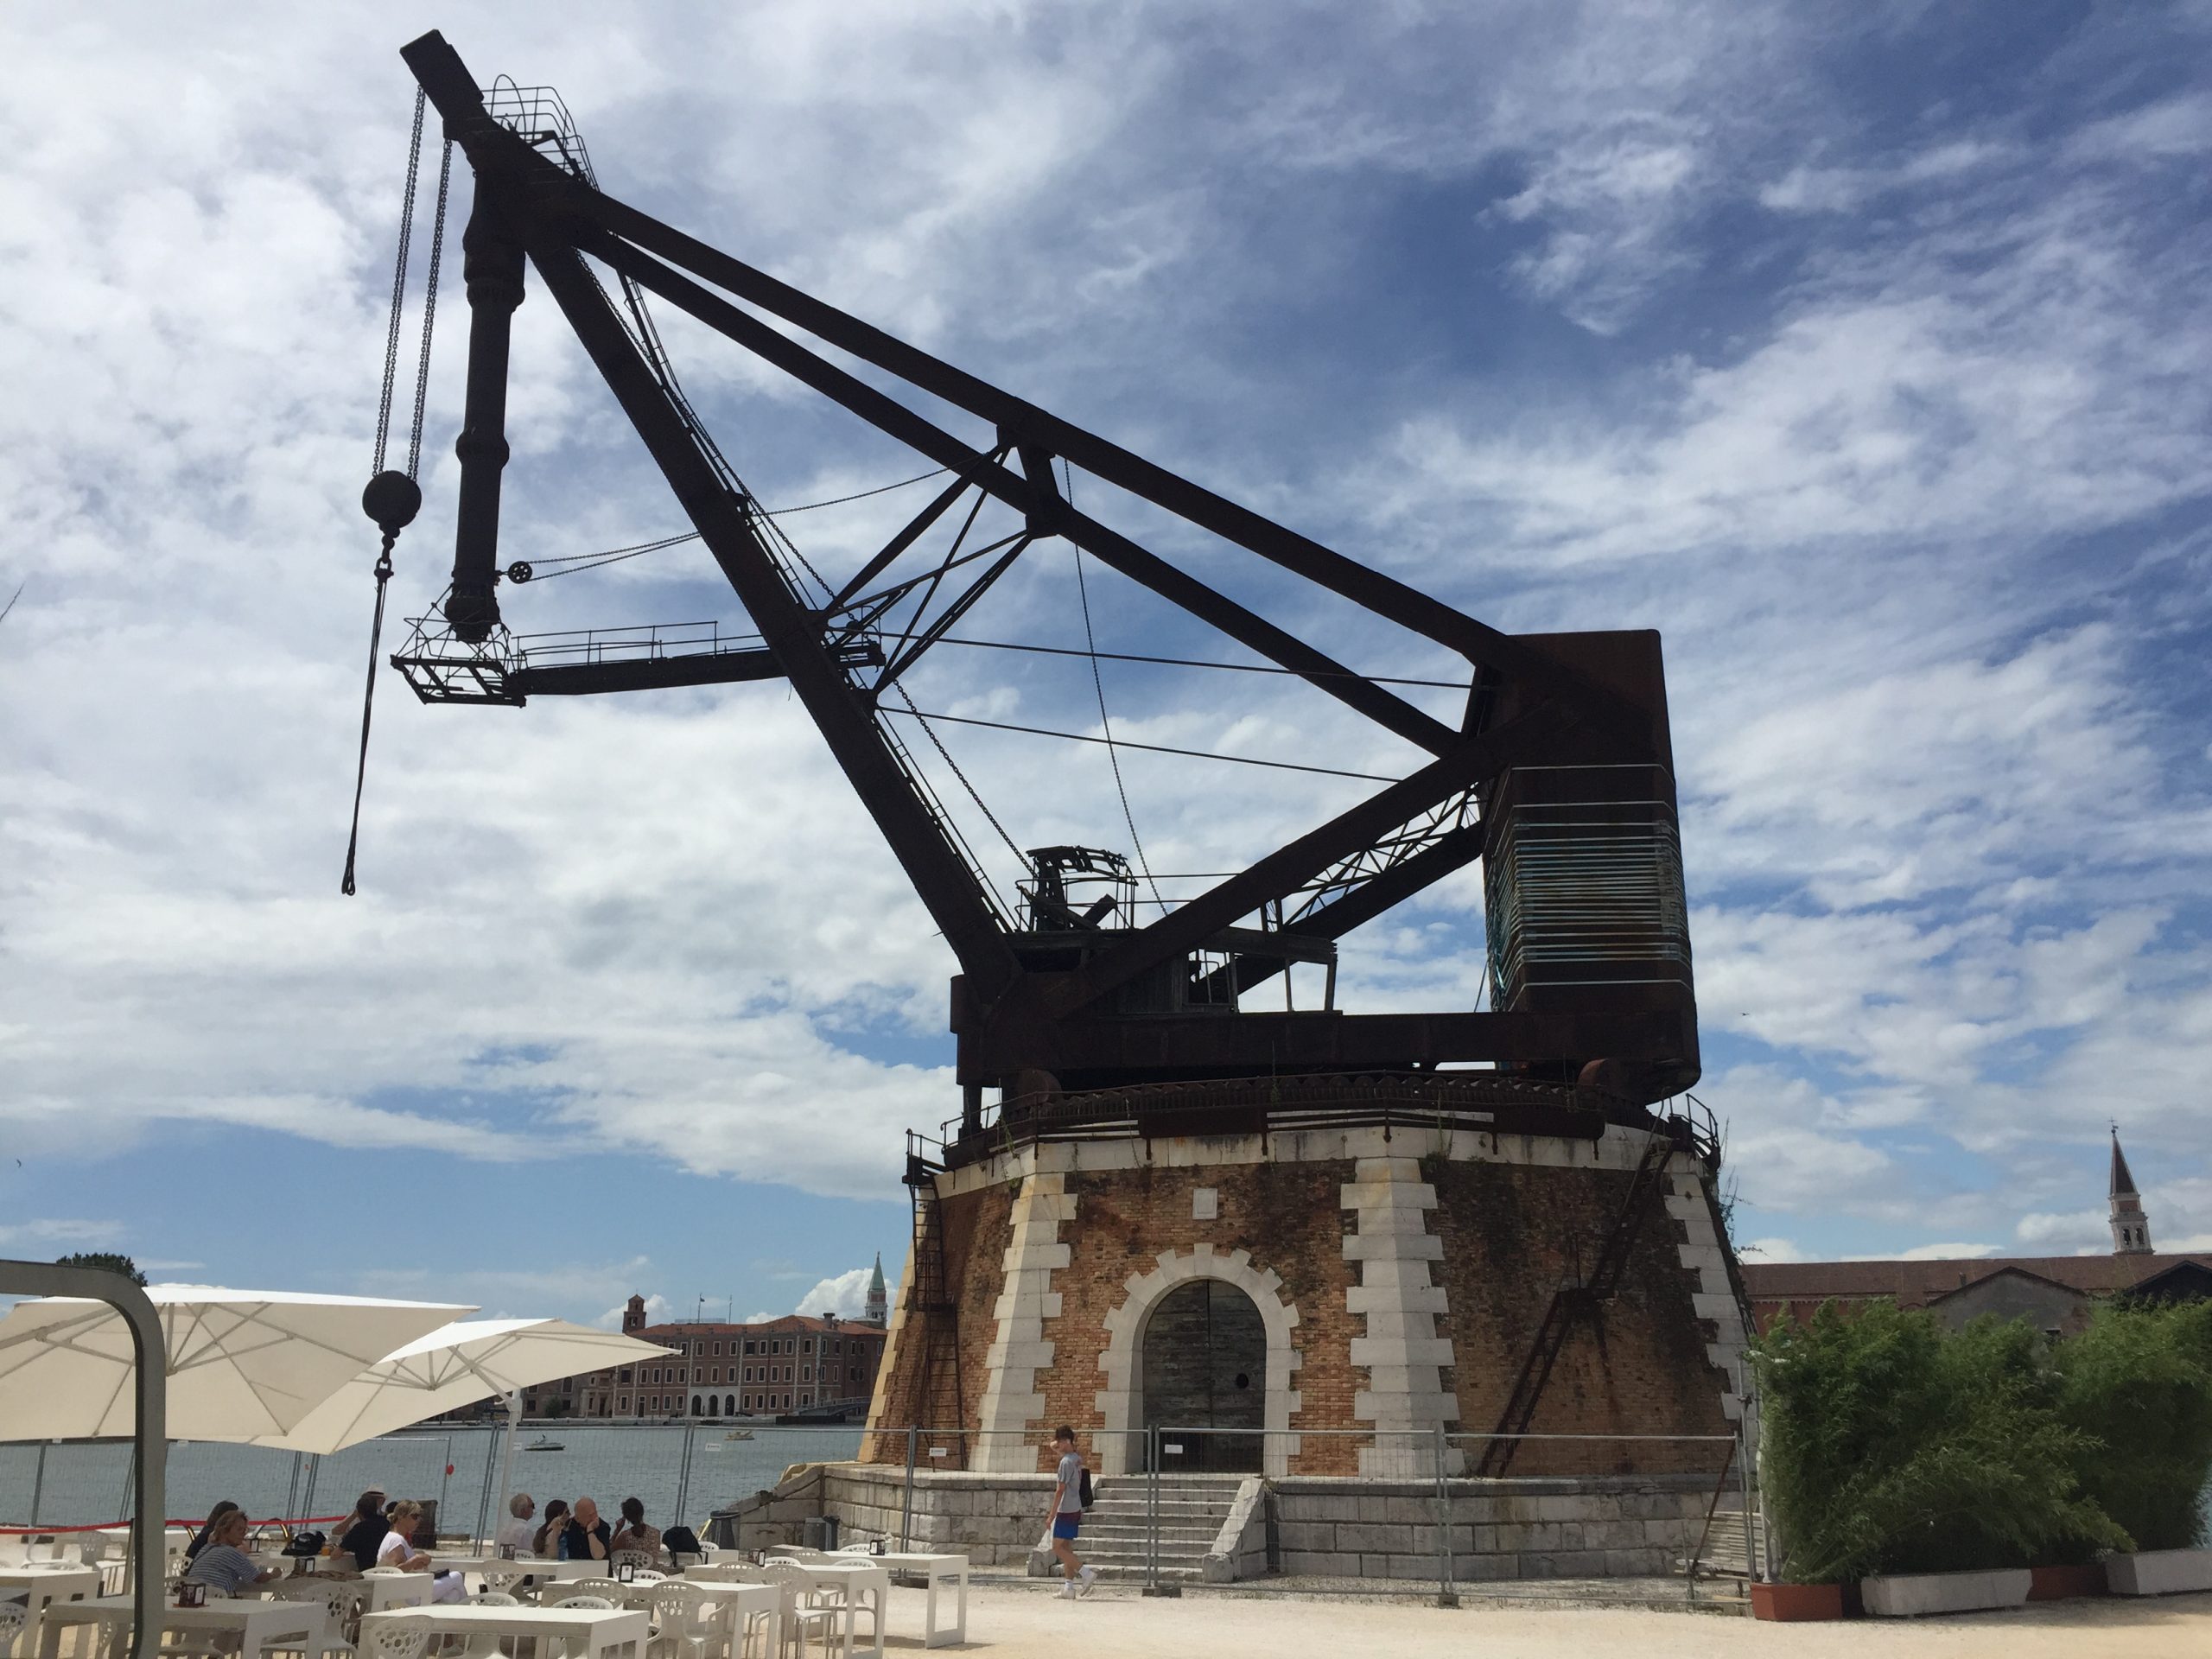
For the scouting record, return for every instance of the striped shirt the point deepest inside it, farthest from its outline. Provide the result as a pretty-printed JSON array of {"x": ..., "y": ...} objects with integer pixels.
[{"x": 224, "y": 1567}]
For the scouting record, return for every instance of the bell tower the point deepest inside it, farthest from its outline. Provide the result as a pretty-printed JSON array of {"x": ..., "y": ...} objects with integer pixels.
[
  {"x": 877, "y": 1310},
  {"x": 634, "y": 1315},
  {"x": 2131, "y": 1231}
]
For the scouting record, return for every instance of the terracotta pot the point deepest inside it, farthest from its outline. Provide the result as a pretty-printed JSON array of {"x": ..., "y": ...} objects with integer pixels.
[
  {"x": 1794, "y": 1603},
  {"x": 2064, "y": 1583}
]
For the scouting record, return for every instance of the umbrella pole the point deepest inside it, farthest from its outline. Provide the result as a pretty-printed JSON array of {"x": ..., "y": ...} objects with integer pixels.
[
  {"x": 445, "y": 1481},
  {"x": 484, "y": 1526},
  {"x": 507, "y": 1449}
]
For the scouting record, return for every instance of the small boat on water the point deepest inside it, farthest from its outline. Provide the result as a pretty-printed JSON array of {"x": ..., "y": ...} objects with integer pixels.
[
  {"x": 545, "y": 1443},
  {"x": 734, "y": 1434}
]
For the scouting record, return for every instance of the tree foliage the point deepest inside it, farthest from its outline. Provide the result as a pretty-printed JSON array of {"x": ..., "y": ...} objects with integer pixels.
[
  {"x": 2138, "y": 1383},
  {"x": 108, "y": 1258},
  {"x": 1891, "y": 1445}
]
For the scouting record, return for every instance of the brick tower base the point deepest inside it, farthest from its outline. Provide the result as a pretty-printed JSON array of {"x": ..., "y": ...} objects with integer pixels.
[{"x": 1361, "y": 1286}]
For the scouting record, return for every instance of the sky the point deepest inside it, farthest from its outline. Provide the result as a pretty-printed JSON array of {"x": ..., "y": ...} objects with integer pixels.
[{"x": 1862, "y": 352}]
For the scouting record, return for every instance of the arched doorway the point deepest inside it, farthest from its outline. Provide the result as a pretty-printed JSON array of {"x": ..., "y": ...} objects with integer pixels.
[{"x": 1205, "y": 1366}]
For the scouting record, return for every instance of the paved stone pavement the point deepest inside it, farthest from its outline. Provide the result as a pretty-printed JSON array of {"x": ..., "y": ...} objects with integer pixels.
[{"x": 1029, "y": 1620}]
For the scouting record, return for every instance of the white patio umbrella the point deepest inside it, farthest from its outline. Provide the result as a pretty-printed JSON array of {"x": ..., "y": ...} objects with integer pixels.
[
  {"x": 456, "y": 1365},
  {"x": 242, "y": 1363}
]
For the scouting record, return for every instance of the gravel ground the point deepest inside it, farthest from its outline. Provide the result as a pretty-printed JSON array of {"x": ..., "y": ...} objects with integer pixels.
[{"x": 1116, "y": 1623}]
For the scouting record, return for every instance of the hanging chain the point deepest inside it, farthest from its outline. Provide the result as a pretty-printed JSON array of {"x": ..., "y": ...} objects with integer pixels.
[
  {"x": 430, "y": 307},
  {"x": 399, "y": 282},
  {"x": 393, "y": 499}
]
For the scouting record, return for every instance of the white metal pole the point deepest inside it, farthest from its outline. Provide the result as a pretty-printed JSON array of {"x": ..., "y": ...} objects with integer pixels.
[{"x": 507, "y": 1451}]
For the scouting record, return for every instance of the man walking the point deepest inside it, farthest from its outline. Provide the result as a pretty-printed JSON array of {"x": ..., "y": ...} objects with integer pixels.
[{"x": 1066, "y": 1516}]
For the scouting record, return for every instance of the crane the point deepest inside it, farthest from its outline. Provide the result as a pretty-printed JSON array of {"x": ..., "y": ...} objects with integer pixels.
[{"x": 1557, "y": 772}]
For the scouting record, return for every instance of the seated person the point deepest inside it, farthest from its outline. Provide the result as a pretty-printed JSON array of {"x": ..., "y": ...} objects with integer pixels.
[
  {"x": 587, "y": 1538},
  {"x": 206, "y": 1536},
  {"x": 223, "y": 1565},
  {"x": 546, "y": 1542},
  {"x": 360, "y": 1533},
  {"x": 398, "y": 1550},
  {"x": 516, "y": 1532},
  {"x": 634, "y": 1534}
]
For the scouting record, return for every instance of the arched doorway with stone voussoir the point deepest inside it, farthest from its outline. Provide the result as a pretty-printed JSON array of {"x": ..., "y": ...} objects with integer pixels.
[{"x": 1177, "y": 1347}]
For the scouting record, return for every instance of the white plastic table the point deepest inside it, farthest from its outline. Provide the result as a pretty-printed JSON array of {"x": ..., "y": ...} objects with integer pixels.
[
  {"x": 937, "y": 1569},
  {"x": 733, "y": 1601},
  {"x": 598, "y": 1630},
  {"x": 252, "y": 1625},
  {"x": 41, "y": 1583}
]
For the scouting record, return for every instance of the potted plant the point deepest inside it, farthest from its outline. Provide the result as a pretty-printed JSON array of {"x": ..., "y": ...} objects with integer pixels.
[
  {"x": 2137, "y": 1385},
  {"x": 1933, "y": 1465}
]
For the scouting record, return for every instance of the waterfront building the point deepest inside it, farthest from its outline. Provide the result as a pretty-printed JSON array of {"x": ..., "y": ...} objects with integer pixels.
[
  {"x": 2055, "y": 1292},
  {"x": 716, "y": 1369}
]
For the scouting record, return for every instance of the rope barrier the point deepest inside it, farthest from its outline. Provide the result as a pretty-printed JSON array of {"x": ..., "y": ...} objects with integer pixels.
[{"x": 173, "y": 1521}]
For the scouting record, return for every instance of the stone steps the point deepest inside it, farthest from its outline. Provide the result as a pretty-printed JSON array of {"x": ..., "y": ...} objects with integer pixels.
[{"x": 1116, "y": 1536}]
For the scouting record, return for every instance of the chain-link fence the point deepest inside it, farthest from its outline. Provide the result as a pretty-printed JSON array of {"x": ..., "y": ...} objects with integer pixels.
[
  {"x": 1366, "y": 1511},
  {"x": 679, "y": 1473}
]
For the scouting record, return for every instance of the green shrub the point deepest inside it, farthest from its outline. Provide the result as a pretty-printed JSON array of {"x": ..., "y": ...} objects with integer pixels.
[
  {"x": 2137, "y": 1387},
  {"x": 1890, "y": 1446}
]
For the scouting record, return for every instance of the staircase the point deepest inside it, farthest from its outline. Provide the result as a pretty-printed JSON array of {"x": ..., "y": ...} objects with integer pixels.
[{"x": 1191, "y": 1510}]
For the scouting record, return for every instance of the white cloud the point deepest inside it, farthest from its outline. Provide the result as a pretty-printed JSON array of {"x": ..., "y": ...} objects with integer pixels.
[
  {"x": 1946, "y": 1252},
  {"x": 844, "y": 1294},
  {"x": 1775, "y": 1249},
  {"x": 1882, "y": 499},
  {"x": 66, "y": 1233}
]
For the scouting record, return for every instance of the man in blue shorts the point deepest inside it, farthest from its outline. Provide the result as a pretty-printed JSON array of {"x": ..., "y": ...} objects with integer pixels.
[{"x": 1066, "y": 1516}]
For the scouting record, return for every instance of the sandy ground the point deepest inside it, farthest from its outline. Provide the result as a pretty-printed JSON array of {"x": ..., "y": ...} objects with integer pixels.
[{"x": 1116, "y": 1623}]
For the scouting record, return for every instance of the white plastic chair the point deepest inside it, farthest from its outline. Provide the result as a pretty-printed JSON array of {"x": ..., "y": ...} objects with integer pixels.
[
  {"x": 607, "y": 1589},
  {"x": 590, "y": 1603},
  {"x": 639, "y": 1559},
  {"x": 801, "y": 1615},
  {"x": 397, "y": 1640},
  {"x": 677, "y": 1629},
  {"x": 336, "y": 1598},
  {"x": 13, "y": 1616}
]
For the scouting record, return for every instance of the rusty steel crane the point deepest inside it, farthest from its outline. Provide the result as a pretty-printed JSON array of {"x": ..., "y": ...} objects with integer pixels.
[{"x": 1557, "y": 771}]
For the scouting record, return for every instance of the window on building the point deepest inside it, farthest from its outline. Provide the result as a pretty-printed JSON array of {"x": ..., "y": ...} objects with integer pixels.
[
  {"x": 807, "y": 1346},
  {"x": 749, "y": 1347},
  {"x": 806, "y": 1373},
  {"x": 623, "y": 1405}
]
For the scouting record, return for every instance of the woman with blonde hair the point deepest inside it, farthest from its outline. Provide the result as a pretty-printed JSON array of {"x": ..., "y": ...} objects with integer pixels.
[{"x": 398, "y": 1550}]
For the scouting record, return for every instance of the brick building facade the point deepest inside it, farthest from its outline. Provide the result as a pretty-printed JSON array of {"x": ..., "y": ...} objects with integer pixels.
[
  {"x": 2055, "y": 1294},
  {"x": 717, "y": 1369}
]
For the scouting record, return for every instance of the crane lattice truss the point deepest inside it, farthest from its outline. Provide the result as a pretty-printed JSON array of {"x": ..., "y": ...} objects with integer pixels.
[{"x": 1559, "y": 774}]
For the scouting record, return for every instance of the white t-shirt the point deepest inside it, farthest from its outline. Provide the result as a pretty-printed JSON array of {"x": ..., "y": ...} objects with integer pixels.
[
  {"x": 1072, "y": 1484},
  {"x": 516, "y": 1534},
  {"x": 394, "y": 1550}
]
